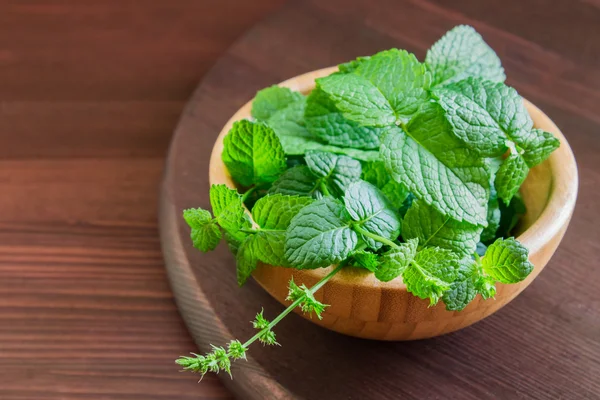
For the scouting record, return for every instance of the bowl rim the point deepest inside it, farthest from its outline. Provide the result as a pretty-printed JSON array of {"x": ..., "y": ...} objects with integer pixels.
[{"x": 562, "y": 196}]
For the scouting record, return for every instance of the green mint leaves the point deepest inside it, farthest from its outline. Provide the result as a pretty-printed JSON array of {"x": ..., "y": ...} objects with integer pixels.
[
  {"x": 253, "y": 154},
  {"x": 404, "y": 169},
  {"x": 462, "y": 53}
]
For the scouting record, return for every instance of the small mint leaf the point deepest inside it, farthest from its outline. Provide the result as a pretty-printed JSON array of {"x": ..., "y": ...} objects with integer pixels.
[
  {"x": 370, "y": 209},
  {"x": 431, "y": 273},
  {"x": 205, "y": 233},
  {"x": 461, "y": 53},
  {"x": 336, "y": 171},
  {"x": 253, "y": 154},
  {"x": 272, "y": 99},
  {"x": 365, "y": 259},
  {"x": 393, "y": 263},
  {"x": 510, "y": 177},
  {"x": 506, "y": 260}
]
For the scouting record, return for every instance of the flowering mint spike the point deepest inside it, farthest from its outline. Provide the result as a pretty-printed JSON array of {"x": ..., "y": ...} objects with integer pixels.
[
  {"x": 260, "y": 322},
  {"x": 308, "y": 303},
  {"x": 236, "y": 350},
  {"x": 266, "y": 335},
  {"x": 222, "y": 358}
]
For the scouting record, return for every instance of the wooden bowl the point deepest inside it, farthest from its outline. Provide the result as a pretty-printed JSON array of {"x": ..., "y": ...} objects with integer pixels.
[{"x": 362, "y": 306}]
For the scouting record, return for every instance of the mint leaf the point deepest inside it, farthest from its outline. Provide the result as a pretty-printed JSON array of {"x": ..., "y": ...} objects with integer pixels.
[
  {"x": 510, "y": 177},
  {"x": 276, "y": 211},
  {"x": 205, "y": 233},
  {"x": 358, "y": 99},
  {"x": 538, "y": 144},
  {"x": 320, "y": 235},
  {"x": 289, "y": 122},
  {"x": 296, "y": 181},
  {"x": 272, "y": 99},
  {"x": 350, "y": 66},
  {"x": 434, "y": 229},
  {"x": 431, "y": 273},
  {"x": 461, "y": 53},
  {"x": 493, "y": 218},
  {"x": 386, "y": 88},
  {"x": 396, "y": 261},
  {"x": 485, "y": 115},
  {"x": 252, "y": 153},
  {"x": 375, "y": 173},
  {"x": 337, "y": 171},
  {"x": 463, "y": 290},
  {"x": 246, "y": 260},
  {"x": 364, "y": 259},
  {"x": 506, "y": 261},
  {"x": 325, "y": 121},
  {"x": 229, "y": 211},
  {"x": 273, "y": 214},
  {"x": 372, "y": 211},
  {"x": 427, "y": 158},
  {"x": 494, "y": 214}
]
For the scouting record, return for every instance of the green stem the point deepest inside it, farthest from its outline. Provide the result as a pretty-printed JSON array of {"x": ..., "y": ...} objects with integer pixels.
[
  {"x": 295, "y": 304},
  {"x": 244, "y": 230},
  {"x": 381, "y": 239},
  {"x": 324, "y": 189},
  {"x": 248, "y": 193}
]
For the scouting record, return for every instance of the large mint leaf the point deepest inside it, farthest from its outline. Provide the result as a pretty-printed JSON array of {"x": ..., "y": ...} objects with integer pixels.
[
  {"x": 325, "y": 121},
  {"x": 396, "y": 261},
  {"x": 375, "y": 173},
  {"x": 272, "y": 99},
  {"x": 431, "y": 273},
  {"x": 427, "y": 158},
  {"x": 335, "y": 170},
  {"x": 506, "y": 261},
  {"x": 462, "y": 53},
  {"x": 386, "y": 88},
  {"x": 273, "y": 214},
  {"x": 320, "y": 235},
  {"x": 372, "y": 211},
  {"x": 229, "y": 211},
  {"x": 432, "y": 228},
  {"x": 253, "y": 154},
  {"x": 205, "y": 233},
  {"x": 463, "y": 290},
  {"x": 289, "y": 122}
]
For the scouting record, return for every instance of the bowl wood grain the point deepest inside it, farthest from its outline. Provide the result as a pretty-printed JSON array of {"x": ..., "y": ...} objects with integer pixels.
[{"x": 362, "y": 306}]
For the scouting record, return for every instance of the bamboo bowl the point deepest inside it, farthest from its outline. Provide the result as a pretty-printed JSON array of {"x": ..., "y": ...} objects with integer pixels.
[{"x": 362, "y": 306}]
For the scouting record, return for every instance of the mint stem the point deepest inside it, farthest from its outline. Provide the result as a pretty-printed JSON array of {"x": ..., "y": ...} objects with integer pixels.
[
  {"x": 381, "y": 239},
  {"x": 295, "y": 304},
  {"x": 248, "y": 193},
  {"x": 324, "y": 189}
]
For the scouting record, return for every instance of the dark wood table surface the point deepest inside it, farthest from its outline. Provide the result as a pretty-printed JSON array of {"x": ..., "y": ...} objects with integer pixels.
[{"x": 90, "y": 93}]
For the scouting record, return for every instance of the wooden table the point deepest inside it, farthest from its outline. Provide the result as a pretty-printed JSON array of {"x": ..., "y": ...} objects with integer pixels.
[{"x": 91, "y": 92}]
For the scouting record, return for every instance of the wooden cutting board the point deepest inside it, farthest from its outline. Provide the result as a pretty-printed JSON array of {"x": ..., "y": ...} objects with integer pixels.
[{"x": 542, "y": 345}]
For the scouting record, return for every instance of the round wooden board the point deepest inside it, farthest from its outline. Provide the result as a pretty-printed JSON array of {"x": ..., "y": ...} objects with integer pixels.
[{"x": 524, "y": 350}]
